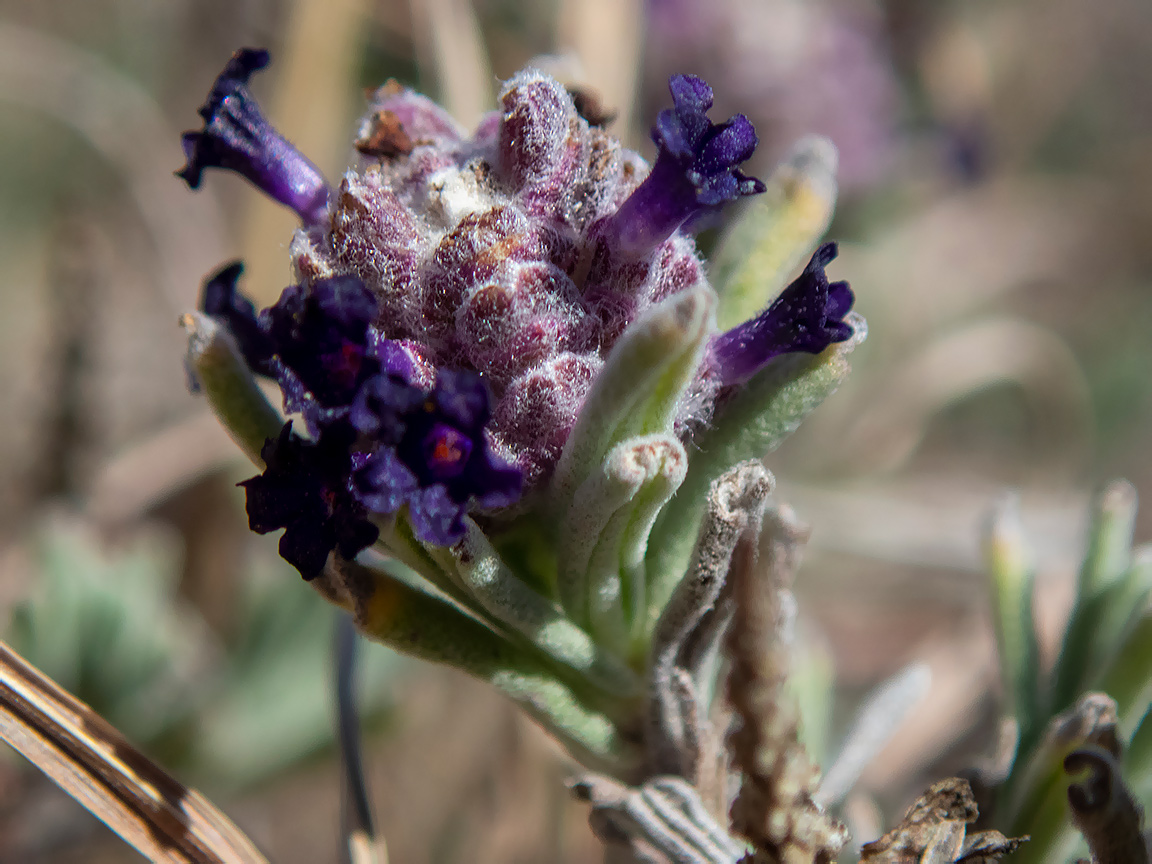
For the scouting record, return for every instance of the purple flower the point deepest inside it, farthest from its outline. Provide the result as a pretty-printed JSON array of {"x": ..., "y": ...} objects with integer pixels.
[
  {"x": 320, "y": 343},
  {"x": 236, "y": 137},
  {"x": 695, "y": 171},
  {"x": 383, "y": 441},
  {"x": 433, "y": 454},
  {"x": 222, "y": 301},
  {"x": 304, "y": 490},
  {"x": 452, "y": 315},
  {"x": 807, "y": 316},
  {"x": 322, "y": 335},
  {"x": 382, "y": 407}
]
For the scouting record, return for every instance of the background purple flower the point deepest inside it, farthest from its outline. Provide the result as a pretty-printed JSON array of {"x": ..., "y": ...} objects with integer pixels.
[{"x": 795, "y": 67}]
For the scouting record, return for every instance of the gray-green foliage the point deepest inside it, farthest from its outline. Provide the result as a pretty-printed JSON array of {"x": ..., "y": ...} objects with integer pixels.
[
  {"x": 104, "y": 620},
  {"x": 104, "y": 625},
  {"x": 1099, "y": 690}
]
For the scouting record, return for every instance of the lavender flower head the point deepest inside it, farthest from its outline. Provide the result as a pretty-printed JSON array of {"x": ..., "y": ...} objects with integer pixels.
[{"x": 503, "y": 347}]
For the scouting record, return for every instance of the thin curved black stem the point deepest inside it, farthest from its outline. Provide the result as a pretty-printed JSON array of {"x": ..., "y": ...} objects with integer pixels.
[{"x": 357, "y": 827}]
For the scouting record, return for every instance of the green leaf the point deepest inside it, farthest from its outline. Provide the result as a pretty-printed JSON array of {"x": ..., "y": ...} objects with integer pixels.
[
  {"x": 273, "y": 708},
  {"x": 1121, "y": 607},
  {"x": 615, "y": 508},
  {"x": 1128, "y": 678},
  {"x": 235, "y": 397},
  {"x": 484, "y": 576},
  {"x": 1105, "y": 565},
  {"x": 1007, "y": 559},
  {"x": 637, "y": 391},
  {"x": 1034, "y": 799},
  {"x": 615, "y": 578},
  {"x": 104, "y": 622},
  {"x": 409, "y": 620},
  {"x": 1138, "y": 757}
]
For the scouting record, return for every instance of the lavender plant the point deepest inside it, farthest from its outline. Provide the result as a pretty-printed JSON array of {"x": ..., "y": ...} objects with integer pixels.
[
  {"x": 525, "y": 441},
  {"x": 522, "y": 446},
  {"x": 502, "y": 347}
]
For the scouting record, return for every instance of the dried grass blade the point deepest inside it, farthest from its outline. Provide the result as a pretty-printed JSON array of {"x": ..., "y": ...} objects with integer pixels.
[
  {"x": 606, "y": 36},
  {"x": 84, "y": 755},
  {"x": 450, "y": 44}
]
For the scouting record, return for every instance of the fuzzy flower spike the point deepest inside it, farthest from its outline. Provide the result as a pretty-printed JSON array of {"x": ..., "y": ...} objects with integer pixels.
[
  {"x": 236, "y": 137},
  {"x": 695, "y": 171},
  {"x": 525, "y": 449}
]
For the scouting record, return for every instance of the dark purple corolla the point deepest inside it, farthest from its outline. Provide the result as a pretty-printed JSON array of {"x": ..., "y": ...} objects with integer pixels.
[
  {"x": 220, "y": 299},
  {"x": 236, "y": 137},
  {"x": 321, "y": 339},
  {"x": 433, "y": 454},
  {"x": 695, "y": 171},
  {"x": 304, "y": 490},
  {"x": 807, "y": 316}
]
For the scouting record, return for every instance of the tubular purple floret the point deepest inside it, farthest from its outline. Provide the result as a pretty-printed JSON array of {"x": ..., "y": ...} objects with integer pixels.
[
  {"x": 436, "y": 458},
  {"x": 236, "y": 137},
  {"x": 695, "y": 171},
  {"x": 304, "y": 490},
  {"x": 220, "y": 299},
  {"x": 808, "y": 316}
]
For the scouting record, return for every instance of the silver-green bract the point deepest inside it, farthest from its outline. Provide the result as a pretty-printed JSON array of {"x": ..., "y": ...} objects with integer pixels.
[{"x": 578, "y": 607}]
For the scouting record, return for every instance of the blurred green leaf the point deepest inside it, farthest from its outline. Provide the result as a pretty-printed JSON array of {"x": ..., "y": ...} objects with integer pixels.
[
  {"x": 104, "y": 623},
  {"x": 1007, "y": 558},
  {"x": 273, "y": 704},
  {"x": 1100, "y": 588},
  {"x": 1128, "y": 679}
]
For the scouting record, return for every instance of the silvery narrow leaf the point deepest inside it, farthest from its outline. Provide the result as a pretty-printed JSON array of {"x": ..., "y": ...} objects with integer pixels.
[
  {"x": 873, "y": 727},
  {"x": 1007, "y": 558},
  {"x": 601, "y": 556},
  {"x": 637, "y": 390},
  {"x": 1108, "y": 558},
  {"x": 431, "y": 628},
  {"x": 775, "y": 232},
  {"x": 749, "y": 426},
  {"x": 499, "y": 591}
]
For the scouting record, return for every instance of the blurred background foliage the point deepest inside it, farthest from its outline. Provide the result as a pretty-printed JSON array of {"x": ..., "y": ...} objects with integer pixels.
[{"x": 995, "y": 214}]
